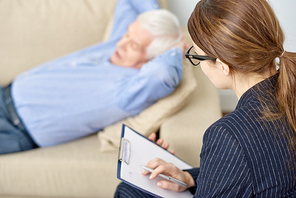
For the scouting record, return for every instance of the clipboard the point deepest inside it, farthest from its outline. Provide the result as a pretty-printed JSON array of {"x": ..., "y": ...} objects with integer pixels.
[{"x": 136, "y": 150}]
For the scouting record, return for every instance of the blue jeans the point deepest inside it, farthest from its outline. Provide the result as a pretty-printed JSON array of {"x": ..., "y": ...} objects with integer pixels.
[{"x": 12, "y": 138}]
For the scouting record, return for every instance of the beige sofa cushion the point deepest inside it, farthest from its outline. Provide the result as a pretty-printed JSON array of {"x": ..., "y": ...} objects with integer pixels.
[
  {"x": 74, "y": 169},
  {"x": 36, "y": 31},
  {"x": 149, "y": 120}
]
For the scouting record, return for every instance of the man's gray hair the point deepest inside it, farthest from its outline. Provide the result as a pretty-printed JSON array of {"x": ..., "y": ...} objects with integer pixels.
[{"x": 165, "y": 28}]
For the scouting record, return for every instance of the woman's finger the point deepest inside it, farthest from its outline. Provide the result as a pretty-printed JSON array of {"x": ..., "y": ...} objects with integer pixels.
[
  {"x": 172, "y": 152},
  {"x": 165, "y": 145},
  {"x": 170, "y": 186},
  {"x": 155, "y": 163},
  {"x": 158, "y": 170},
  {"x": 152, "y": 137},
  {"x": 159, "y": 142}
]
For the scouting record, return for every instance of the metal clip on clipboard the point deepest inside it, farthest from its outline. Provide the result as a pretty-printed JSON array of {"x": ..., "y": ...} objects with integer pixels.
[{"x": 125, "y": 151}]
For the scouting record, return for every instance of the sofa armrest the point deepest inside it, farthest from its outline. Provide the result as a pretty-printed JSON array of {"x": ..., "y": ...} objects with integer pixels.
[{"x": 184, "y": 130}]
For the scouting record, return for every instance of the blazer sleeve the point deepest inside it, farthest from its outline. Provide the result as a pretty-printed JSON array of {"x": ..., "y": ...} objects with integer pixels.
[
  {"x": 194, "y": 172},
  {"x": 224, "y": 170}
]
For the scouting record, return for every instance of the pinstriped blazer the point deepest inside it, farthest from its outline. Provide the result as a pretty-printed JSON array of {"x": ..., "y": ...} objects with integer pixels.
[{"x": 244, "y": 155}]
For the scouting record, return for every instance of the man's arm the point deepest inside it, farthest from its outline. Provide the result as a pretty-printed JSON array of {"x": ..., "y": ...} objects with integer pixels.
[
  {"x": 155, "y": 80},
  {"x": 126, "y": 12}
]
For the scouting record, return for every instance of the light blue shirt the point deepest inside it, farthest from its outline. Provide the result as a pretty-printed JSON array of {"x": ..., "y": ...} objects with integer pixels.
[{"x": 81, "y": 93}]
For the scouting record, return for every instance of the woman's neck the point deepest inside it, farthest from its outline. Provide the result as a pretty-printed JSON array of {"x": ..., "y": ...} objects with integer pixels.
[{"x": 243, "y": 82}]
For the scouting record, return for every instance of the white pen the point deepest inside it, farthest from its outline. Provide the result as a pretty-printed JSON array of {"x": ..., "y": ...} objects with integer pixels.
[{"x": 165, "y": 177}]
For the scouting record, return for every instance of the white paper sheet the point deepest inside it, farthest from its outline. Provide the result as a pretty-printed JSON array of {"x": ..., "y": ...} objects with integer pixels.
[{"x": 142, "y": 151}]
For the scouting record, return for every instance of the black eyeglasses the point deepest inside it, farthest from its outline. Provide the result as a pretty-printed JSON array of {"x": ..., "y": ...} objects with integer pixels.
[{"x": 194, "y": 58}]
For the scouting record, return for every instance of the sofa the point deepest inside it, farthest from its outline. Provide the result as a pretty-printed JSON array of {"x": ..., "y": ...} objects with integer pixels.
[{"x": 36, "y": 31}]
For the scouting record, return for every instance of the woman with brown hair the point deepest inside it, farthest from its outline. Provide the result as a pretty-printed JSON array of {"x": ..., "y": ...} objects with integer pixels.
[{"x": 250, "y": 152}]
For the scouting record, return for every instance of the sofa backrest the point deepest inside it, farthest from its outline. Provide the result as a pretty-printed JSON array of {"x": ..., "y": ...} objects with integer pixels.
[{"x": 36, "y": 31}]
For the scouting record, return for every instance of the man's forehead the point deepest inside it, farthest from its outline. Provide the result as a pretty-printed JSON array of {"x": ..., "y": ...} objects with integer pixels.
[{"x": 140, "y": 35}]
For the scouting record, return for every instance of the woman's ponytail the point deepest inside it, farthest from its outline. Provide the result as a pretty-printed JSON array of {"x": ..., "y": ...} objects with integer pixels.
[{"x": 286, "y": 90}]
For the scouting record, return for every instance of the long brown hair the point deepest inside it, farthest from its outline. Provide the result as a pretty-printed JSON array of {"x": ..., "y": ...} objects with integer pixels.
[{"x": 246, "y": 35}]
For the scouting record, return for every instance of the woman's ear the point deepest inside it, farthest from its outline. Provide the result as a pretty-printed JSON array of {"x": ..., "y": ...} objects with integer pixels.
[{"x": 223, "y": 67}]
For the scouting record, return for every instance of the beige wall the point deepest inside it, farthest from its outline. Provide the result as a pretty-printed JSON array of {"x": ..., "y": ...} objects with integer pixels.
[{"x": 285, "y": 11}]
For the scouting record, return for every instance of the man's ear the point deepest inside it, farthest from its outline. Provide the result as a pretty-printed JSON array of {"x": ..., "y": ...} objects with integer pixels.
[{"x": 223, "y": 67}]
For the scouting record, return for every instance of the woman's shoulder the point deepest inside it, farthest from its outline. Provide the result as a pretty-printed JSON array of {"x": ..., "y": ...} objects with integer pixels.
[
  {"x": 241, "y": 124},
  {"x": 260, "y": 144},
  {"x": 237, "y": 118}
]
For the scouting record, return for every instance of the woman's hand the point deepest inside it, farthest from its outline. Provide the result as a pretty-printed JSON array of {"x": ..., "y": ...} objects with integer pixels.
[
  {"x": 160, "y": 142},
  {"x": 160, "y": 166}
]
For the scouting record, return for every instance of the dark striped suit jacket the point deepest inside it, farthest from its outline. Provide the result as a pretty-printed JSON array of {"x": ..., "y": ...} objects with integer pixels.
[{"x": 244, "y": 155}]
